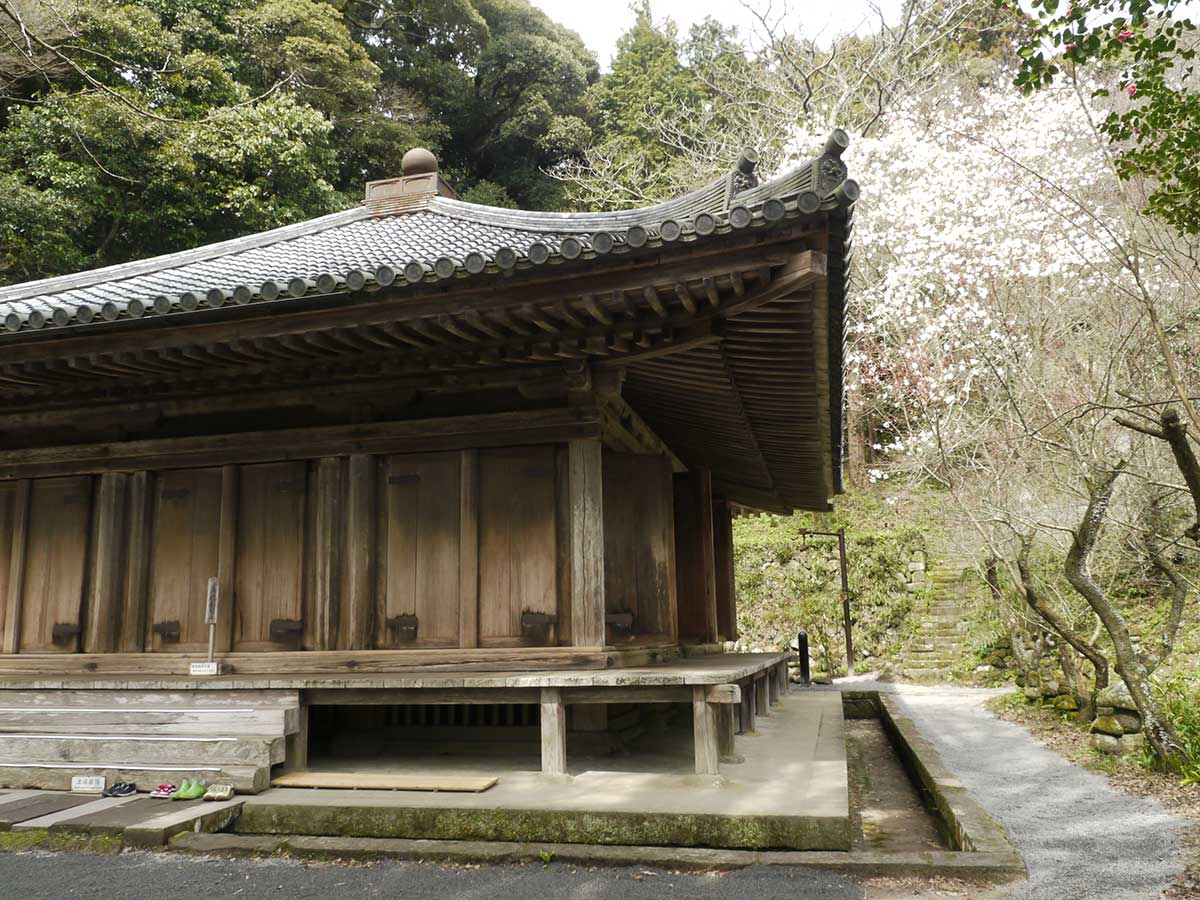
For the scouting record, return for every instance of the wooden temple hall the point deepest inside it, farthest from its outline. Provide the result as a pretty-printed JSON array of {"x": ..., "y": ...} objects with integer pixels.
[{"x": 421, "y": 467}]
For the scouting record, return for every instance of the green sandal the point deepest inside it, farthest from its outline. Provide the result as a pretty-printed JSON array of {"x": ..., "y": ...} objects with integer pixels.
[{"x": 190, "y": 790}]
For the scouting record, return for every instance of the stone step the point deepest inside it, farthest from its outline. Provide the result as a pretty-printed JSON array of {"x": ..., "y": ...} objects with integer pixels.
[
  {"x": 56, "y": 776},
  {"x": 141, "y": 750}
]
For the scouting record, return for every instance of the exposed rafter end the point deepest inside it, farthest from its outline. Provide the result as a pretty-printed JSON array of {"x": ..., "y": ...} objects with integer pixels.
[{"x": 751, "y": 498}]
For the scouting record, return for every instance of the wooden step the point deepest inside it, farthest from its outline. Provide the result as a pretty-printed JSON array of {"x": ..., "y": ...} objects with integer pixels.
[
  {"x": 56, "y": 776},
  {"x": 142, "y": 750}
]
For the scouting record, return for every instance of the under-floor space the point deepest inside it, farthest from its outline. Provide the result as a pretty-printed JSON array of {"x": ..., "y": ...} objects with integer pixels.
[{"x": 787, "y": 787}]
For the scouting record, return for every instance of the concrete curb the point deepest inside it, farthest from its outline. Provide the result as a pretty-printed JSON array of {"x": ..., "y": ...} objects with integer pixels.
[{"x": 948, "y": 863}]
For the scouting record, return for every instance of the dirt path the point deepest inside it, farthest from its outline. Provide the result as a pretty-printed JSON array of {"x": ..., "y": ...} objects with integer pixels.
[{"x": 1079, "y": 837}]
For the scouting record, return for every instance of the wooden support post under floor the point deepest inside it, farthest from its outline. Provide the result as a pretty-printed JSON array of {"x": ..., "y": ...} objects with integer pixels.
[
  {"x": 554, "y": 732},
  {"x": 762, "y": 706},
  {"x": 746, "y": 709},
  {"x": 704, "y": 719},
  {"x": 772, "y": 680},
  {"x": 725, "y": 730},
  {"x": 296, "y": 752}
]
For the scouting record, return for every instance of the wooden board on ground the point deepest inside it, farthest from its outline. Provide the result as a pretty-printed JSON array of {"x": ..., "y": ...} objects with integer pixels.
[{"x": 378, "y": 782}]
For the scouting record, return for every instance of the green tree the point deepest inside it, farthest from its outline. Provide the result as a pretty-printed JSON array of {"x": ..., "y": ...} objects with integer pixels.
[{"x": 1151, "y": 45}]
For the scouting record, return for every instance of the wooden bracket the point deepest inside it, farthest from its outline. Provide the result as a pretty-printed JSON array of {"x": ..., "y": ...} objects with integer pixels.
[
  {"x": 168, "y": 631},
  {"x": 405, "y": 628},
  {"x": 284, "y": 631},
  {"x": 65, "y": 632}
]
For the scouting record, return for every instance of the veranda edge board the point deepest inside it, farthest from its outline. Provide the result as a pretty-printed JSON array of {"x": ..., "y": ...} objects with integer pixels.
[
  {"x": 308, "y": 662},
  {"x": 381, "y": 782}
]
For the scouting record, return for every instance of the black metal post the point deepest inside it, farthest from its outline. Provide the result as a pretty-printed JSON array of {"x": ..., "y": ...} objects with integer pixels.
[
  {"x": 846, "y": 602},
  {"x": 802, "y": 652}
]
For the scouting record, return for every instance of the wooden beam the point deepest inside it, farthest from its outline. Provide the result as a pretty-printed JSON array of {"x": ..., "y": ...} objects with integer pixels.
[
  {"x": 586, "y": 512},
  {"x": 423, "y": 435},
  {"x": 102, "y": 627},
  {"x": 554, "y": 732},
  {"x": 468, "y": 550},
  {"x": 16, "y": 568}
]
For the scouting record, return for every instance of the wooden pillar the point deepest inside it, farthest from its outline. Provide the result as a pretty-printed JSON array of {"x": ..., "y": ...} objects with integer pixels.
[
  {"x": 358, "y": 591},
  {"x": 468, "y": 550},
  {"x": 554, "y": 732},
  {"x": 762, "y": 706},
  {"x": 101, "y": 629},
  {"x": 746, "y": 708},
  {"x": 772, "y": 680},
  {"x": 695, "y": 566},
  {"x": 323, "y": 623},
  {"x": 226, "y": 557},
  {"x": 586, "y": 511},
  {"x": 724, "y": 575},
  {"x": 704, "y": 723},
  {"x": 725, "y": 731},
  {"x": 16, "y": 568},
  {"x": 137, "y": 578}
]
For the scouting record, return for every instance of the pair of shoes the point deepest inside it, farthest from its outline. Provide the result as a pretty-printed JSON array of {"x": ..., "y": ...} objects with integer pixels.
[
  {"x": 162, "y": 792},
  {"x": 190, "y": 790},
  {"x": 120, "y": 789},
  {"x": 219, "y": 792}
]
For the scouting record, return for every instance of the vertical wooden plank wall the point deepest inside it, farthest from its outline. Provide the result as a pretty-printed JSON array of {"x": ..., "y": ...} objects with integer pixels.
[
  {"x": 695, "y": 556},
  {"x": 639, "y": 542},
  {"x": 467, "y": 541},
  {"x": 586, "y": 508},
  {"x": 725, "y": 574},
  {"x": 518, "y": 569}
]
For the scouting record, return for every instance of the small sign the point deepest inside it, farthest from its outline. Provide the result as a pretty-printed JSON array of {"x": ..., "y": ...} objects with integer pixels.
[
  {"x": 205, "y": 668},
  {"x": 210, "y": 602},
  {"x": 88, "y": 784}
]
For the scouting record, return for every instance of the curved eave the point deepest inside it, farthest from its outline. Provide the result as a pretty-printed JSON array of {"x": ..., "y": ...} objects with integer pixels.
[{"x": 114, "y": 295}]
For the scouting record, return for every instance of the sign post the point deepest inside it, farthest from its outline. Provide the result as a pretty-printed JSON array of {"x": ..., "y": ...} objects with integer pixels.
[{"x": 212, "y": 667}]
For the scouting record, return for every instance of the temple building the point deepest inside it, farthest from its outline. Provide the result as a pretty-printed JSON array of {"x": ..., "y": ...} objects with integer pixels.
[{"x": 419, "y": 453}]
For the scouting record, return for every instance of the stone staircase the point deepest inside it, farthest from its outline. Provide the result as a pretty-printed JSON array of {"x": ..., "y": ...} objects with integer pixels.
[
  {"x": 938, "y": 644},
  {"x": 146, "y": 737}
]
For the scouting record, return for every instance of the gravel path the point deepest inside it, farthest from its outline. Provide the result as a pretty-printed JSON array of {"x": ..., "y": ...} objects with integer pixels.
[{"x": 1080, "y": 839}]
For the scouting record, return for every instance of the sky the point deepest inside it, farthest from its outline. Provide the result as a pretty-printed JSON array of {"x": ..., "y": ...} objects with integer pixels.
[{"x": 601, "y": 22}]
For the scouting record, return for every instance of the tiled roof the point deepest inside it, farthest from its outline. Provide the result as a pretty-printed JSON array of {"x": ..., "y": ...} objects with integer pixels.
[{"x": 437, "y": 240}]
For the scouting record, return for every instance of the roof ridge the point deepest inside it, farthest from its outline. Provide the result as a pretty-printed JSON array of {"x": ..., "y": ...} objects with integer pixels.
[{"x": 166, "y": 261}]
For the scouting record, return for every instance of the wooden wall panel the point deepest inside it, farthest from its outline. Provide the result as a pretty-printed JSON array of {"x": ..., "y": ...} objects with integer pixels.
[
  {"x": 420, "y": 549},
  {"x": 695, "y": 568},
  {"x": 56, "y": 559},
  {"x": 639, "y": 542},
  {"x": 10, "y": 492},
  {"x": 269, "y": 560},
  {"x": 517, "y": 550},
  {"x": 185, "y": 554}
]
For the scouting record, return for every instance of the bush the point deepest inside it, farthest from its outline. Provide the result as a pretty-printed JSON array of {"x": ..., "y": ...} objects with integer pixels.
[{"x": 787, "y": 581}]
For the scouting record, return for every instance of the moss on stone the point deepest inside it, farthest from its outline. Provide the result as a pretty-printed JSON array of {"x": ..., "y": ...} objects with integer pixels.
[
  {"x": 42, "y": 839},
  {"x": 550, "y": 826}
]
